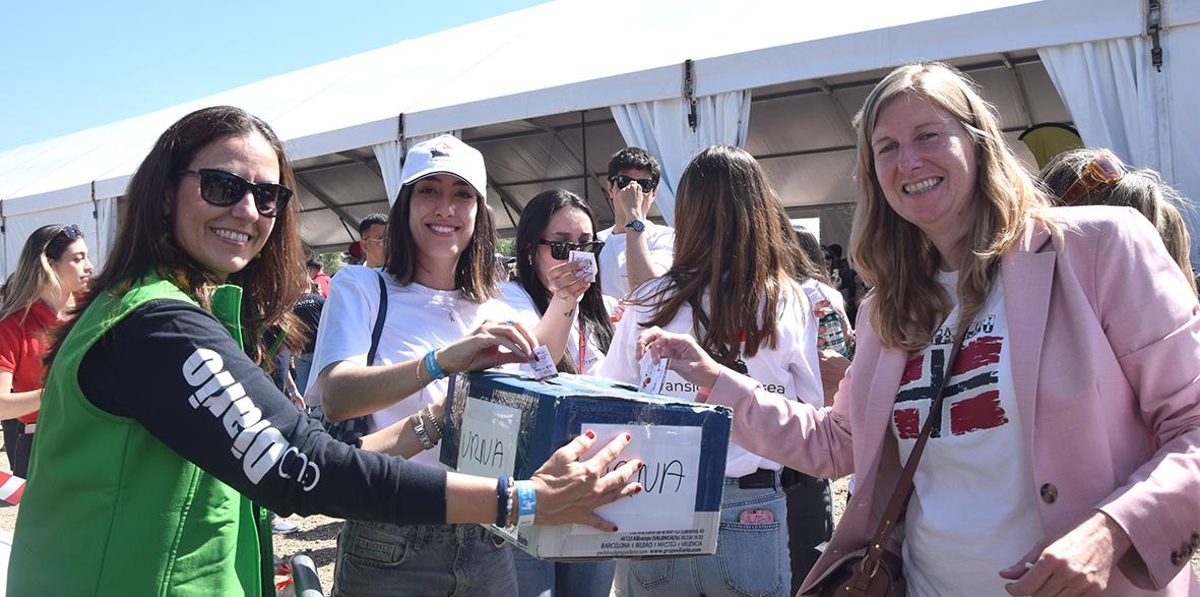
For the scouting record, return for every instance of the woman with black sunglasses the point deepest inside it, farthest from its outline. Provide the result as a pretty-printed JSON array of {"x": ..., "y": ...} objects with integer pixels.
[
  {"x": 160, "y": 434},
  {"x": 53, "y": 266},
  {"x": 553, "y": 224}
]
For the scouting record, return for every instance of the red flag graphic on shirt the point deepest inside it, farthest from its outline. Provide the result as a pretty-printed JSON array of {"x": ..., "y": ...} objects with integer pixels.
[{"x": 972, "y": 400}]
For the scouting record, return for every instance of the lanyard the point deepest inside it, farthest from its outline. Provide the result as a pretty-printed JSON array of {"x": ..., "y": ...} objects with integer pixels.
[{"x": 582, "y": 346}]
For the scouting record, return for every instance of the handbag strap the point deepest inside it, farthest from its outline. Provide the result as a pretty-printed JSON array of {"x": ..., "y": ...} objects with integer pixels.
[
  {"x": 377, "y": 331},
  {"x": 895, "y": 509}
]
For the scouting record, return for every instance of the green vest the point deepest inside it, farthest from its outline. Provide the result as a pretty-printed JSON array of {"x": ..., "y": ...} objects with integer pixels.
[{"x": 111, "y": 510}]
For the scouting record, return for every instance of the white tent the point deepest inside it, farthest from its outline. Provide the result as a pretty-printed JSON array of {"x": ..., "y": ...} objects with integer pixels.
[{"x": 550, "y": 92}]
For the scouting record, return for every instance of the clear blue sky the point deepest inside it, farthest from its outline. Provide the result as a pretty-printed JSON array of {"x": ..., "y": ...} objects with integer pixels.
[{"x": 69, "y": 65}]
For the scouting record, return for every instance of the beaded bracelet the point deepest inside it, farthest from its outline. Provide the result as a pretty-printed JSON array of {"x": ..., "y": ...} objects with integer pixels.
[
  {"x": 432, "y": 365},
  {"x": 512, "y": 510},
  {"x": 502, "y": 501}
]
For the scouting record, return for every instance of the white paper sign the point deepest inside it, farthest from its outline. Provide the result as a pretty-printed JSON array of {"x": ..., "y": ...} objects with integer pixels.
[
  {"x": 668, "y": 498},
  {"x": 487, "y": 445}
]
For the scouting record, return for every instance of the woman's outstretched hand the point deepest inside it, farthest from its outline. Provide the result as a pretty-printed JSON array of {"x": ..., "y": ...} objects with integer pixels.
[
  {"x": 691, "y": 362},
  {"x": 481, "y": 349},
  {"x": 569, "y": 490}
]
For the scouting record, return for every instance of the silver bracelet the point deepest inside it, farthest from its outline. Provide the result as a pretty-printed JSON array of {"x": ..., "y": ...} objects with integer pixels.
[
  {"x": 433, "y": 421},
  {"x": 422, "y": 434}
]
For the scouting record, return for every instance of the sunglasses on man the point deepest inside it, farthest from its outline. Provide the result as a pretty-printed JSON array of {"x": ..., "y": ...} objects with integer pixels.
[
  {"x": 561, "y": 249},
  {"x": 223, "y": 189},
  {"x": 623, "y": 181}
]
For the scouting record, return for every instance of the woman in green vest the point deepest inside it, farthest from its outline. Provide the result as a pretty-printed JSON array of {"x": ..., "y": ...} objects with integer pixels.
[{"x": 160, "y": 435}]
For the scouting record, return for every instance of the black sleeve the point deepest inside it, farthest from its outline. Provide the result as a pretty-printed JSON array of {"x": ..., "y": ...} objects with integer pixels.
[{"x": 172, "y": 367}]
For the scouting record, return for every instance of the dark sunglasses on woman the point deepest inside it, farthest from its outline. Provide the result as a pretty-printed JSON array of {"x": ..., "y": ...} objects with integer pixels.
[
  {"x": 71, "y": 232},
  {"x": 223, "y": 189},
  {"x": 561, "y": 249}
]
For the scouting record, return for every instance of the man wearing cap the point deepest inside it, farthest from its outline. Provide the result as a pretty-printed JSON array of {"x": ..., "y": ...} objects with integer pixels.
[{"x": 635, "y": 249}]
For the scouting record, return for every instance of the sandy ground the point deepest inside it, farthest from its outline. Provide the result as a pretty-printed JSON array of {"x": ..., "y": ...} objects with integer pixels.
[{"x": 317, "y": 536}]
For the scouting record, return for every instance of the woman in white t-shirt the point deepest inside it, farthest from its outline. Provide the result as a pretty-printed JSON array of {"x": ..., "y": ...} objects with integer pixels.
[
  {"x": 441, "y": 288},
  {"x": 553, "y": 224},
  {"x": 733, "y": 287}
]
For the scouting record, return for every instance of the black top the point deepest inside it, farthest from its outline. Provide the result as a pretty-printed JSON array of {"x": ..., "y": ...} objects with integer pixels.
[{"x": 137, "y": 370}]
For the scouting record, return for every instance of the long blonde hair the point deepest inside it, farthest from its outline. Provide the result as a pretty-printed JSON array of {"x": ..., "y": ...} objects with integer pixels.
[
  {"x": 1140, "y": 188},
  {"x": 895, "y": 256},
  {"x": 34, "y": 276}
]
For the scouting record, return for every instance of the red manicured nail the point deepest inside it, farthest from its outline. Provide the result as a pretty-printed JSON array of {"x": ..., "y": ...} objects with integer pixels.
[
  {"x": 628, "y": 437},
  {"x": 641, "y": 465},
  {"x": 638, "y": 490},
  {"x": 590, "y": 434}
]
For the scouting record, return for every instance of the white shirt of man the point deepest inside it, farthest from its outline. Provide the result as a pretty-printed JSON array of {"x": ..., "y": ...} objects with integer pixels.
[{"x": 614, "y": 277}]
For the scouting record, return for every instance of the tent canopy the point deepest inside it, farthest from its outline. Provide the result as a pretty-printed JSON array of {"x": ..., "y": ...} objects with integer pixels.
[{"x": 537, "y": 92}]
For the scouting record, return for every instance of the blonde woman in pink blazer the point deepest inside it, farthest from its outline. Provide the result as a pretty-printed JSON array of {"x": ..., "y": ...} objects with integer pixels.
[{"x": 1066, "y": 459}]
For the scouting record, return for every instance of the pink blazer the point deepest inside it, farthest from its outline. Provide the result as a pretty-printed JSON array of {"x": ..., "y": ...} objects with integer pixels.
[{"x": 1105, "y": 336}]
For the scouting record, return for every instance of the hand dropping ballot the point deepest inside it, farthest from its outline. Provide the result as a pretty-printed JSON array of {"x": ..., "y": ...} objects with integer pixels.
[
  {"x": 654, "y": 374},
  {"x": 589, "y": 262},
  {"x": 542, "y": 363}
]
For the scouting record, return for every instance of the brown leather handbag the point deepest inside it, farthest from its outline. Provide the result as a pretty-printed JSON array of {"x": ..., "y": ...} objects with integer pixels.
[{"x": 874, "y": 571}]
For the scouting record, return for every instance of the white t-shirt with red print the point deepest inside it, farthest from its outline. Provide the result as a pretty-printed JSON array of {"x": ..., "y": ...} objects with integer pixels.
[{"x": 974, "y": 510}]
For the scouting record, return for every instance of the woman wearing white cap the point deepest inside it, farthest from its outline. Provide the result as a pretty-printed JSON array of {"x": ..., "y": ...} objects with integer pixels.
[{"x": 440, "y": 282}]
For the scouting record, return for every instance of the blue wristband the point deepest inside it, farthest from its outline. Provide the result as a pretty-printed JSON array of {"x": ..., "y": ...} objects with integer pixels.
[
  {"x": 432, "y": 365},
  {"x": 502, "y": 501},
  {"x": 526, "y": 503}
]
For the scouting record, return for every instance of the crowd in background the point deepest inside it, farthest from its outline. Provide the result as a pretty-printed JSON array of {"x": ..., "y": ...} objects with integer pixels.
[{"x": 967, "y": 279}]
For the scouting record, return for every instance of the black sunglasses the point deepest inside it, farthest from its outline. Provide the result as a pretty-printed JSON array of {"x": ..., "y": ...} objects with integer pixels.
[
  {"x": 224, "y": 189},
  {"x": 70, "y": 232},
  {"x": 623, "y": 181},
  {"x": 561, "y": 249}
]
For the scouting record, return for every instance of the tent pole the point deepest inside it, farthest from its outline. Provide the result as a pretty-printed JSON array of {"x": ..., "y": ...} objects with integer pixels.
[{"x": 583, "y": 141}]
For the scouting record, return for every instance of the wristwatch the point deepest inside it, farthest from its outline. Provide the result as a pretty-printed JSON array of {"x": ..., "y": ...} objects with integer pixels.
[{"x": 636, "y": 226}]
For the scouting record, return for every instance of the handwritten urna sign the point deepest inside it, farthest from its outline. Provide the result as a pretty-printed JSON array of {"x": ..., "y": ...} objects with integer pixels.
[
  {"x": 668, "y": 498},
  {"x": 488, "y": 444}
]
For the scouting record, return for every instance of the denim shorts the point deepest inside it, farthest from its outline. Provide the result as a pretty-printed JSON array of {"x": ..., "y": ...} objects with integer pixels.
[
  {"x": 384, "y": 560},
  {"x": 751, "y": 558}
]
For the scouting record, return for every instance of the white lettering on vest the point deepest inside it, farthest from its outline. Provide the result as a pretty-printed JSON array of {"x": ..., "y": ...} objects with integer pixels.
[{"x": 256, "y": 442}]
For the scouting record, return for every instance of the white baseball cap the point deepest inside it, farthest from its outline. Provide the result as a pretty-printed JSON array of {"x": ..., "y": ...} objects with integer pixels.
[{"x": 446, "y": 154}]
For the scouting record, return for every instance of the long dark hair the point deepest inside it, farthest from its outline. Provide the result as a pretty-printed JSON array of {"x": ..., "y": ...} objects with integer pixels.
[
  {"x": 475, "y": 275},
  {"x": 271, "y": 283},
  {"x": 534, "y": 218},
  {"x": 733, "y": 243}
]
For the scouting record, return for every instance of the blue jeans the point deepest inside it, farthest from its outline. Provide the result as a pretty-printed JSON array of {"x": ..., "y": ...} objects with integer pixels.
[
  {"x": 751, "y": 558},
  {"x": 383, "y": 560},
  {"x": 544, "y": 578}
]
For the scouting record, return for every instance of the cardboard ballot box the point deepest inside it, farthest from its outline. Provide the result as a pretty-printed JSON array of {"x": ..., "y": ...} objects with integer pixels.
[{"x": 506, "y": 424}]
